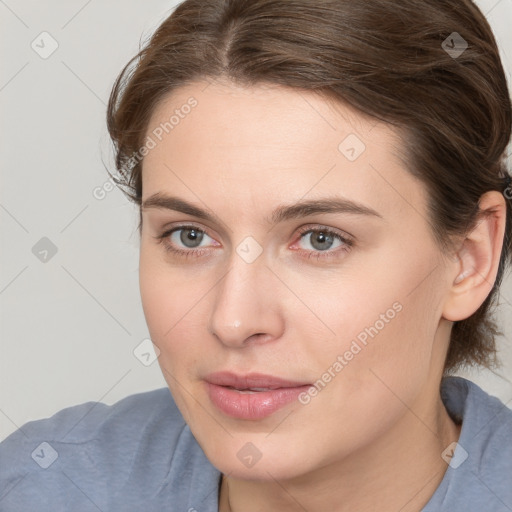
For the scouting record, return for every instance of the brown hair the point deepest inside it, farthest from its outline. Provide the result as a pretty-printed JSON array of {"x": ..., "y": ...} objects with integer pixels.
[{"x": 393, "y": 61}]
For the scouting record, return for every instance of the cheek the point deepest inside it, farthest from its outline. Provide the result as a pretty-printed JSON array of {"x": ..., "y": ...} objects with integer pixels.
[
  {"x": 167, "y": 293},
  {"x": 384, "y": 320},
  {"x": 165, "y": 302},
  {"x": 175, "y": 305},
  {"x": 155, "y": 296},
  {"x": 367, "y": 374},
  {"x": 387, "y": 358}
]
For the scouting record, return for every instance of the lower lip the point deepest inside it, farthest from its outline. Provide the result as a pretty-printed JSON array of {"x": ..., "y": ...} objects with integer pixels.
[{"x": 252, "y": 406}]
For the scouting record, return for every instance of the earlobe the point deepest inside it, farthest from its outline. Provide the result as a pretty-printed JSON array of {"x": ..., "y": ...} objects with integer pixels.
[{"x": 476, "y": 268}]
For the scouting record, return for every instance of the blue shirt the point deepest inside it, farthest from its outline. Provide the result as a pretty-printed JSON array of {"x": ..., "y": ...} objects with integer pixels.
[{"x": 139, "y": 455}]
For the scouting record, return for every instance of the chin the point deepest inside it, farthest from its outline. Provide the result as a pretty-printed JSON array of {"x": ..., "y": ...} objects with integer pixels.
[
  {"x": 251, "y": 457},
  {"x": 264, "y": 470}
]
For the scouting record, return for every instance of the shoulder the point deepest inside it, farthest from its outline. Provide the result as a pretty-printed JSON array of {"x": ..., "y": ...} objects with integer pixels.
[
  {"x": 479, "y": 473},
  {"x": 83, "y": 422},
  {"x": 487, "y": 421},
  {"x": 95, "y": 423},
  {"x": 90, "y": 452}
]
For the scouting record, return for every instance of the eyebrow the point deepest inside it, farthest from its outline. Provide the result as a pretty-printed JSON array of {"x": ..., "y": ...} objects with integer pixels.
[{"x": 281, "y": 213}]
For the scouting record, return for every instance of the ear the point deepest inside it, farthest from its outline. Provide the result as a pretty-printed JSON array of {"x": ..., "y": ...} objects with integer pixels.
[{"x": 473, "y": 273}]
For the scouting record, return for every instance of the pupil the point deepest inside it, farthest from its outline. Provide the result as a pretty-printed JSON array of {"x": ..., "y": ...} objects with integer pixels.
[
  {"x": 323, "y": 240},
  {"x": 192, "y": 236}
]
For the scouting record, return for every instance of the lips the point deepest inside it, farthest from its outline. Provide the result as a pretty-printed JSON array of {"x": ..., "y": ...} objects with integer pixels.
[{"x": 252, "y": 396}]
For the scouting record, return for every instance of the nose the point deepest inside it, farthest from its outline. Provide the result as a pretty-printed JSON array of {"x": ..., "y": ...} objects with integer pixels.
[{"x": 246, "y": 307}]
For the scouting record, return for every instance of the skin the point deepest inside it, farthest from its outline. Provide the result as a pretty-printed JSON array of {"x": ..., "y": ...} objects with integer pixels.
[{"x": 373, "y": 437}]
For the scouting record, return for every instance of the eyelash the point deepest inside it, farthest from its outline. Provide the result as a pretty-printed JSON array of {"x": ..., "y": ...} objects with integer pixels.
[{"x": 348, "y": 242}]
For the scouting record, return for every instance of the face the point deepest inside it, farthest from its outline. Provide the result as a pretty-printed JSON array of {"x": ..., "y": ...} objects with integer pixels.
[{"x": 328, "y": 312}]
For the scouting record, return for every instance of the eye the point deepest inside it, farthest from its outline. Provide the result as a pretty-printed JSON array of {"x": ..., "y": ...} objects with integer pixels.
[
  {"x": 190, "y": 237},
  {"x": 186, "y": 241},
  {"x": 322, "y": 239}
]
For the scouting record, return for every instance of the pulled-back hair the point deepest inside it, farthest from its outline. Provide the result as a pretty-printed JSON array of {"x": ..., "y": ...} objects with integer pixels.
[{"x": 397, "y": 62}]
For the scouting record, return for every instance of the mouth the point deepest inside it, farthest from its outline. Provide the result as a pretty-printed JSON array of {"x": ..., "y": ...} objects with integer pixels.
[
  {"x": 253, "y": 396},
  {"x": 250, "y": 390}
]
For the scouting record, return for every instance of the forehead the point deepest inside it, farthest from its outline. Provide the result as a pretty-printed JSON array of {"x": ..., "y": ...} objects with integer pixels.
[
  {"x": 268, "y": 114},
  {"x": 270, "y": 143}
]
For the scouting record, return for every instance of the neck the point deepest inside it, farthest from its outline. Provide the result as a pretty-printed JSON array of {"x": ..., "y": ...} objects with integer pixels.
[{"x": 399, "y": 471}]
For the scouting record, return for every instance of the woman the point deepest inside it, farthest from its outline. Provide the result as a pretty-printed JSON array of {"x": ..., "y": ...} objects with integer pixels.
[{"x": 324, "y": 224}]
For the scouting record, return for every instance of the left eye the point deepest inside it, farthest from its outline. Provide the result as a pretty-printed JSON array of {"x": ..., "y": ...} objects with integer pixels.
[{"x": 322, "y": 239}]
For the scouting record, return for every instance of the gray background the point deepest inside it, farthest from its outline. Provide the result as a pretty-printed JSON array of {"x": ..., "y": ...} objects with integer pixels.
[{"x": 70, "y": 324}]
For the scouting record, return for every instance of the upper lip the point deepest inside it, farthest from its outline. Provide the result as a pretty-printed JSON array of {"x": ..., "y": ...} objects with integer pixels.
[{"x": 251, "y": 380}]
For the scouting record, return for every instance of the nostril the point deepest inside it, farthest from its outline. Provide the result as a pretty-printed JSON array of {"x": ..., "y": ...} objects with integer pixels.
[{"x": 261, "y": 337}]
